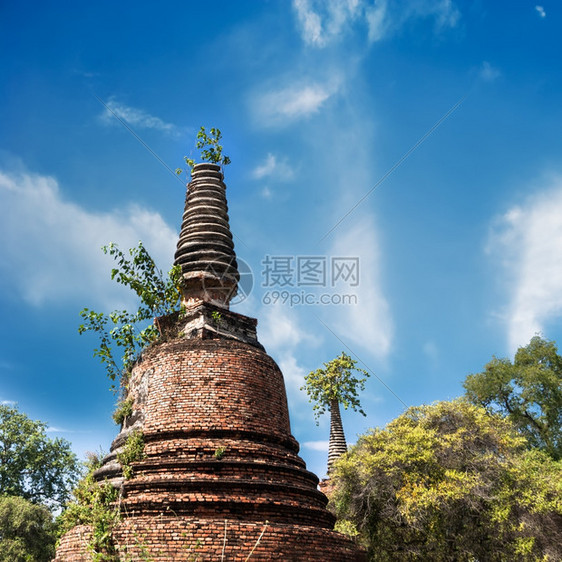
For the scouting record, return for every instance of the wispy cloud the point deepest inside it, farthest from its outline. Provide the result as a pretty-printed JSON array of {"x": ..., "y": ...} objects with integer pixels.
[
  {"x": 367, "y": 323},
  {"x": 274, "y": 167},
  {"x": 50, "y": 249},
  {"x": 527, "y": 240},
  {"x": 281, "y": 329},
  {"x": 54, "y": 429},
  {"x": 322, "y": 22},
  {"x": 280, "y": 107},
  {"x": 309, "y": 21},
  {"x": 294, "y": 374},
  {"x": 266, "y": 192},
  {"x": 378, "y": 21},
  {"x": 387, "y": 17},
  {"x": 488, "y": 72},
  {"x": 317, "y": 445},
  {"x": 540, "y": 11},
  {"x": 283, "y": 336},
  {"x": 8, "y": 402},
  {"x": 134, "y": 116}
]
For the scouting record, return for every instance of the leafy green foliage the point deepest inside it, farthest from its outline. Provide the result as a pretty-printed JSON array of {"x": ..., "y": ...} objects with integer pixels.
[
  {"x": 336, "y": 381},
  {"x": 27, "y": 531},
  {"x": 132, "y": 451},
  {"x": 219, "y": 453},
  {"x": 95, "y": 504},
  {"x": 217, "y": 317},
  {"x": 124, "y": 410},
  {"x": 33, "y": 466},
  {"x": 129, "y": 331},
  {"x": 527, "y": 391},
  {"x": 450, "y": 482},
  {"x": 211, "y": 149}
]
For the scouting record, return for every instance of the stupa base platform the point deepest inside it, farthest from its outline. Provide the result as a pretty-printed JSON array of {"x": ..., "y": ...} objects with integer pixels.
[{"x": 169, "y": 538}]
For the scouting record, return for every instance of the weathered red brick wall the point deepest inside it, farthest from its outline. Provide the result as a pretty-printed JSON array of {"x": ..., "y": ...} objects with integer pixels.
[
  {"x": 213, "y": 384},
  {"x": 177, "y": 539},
  {"x": 73, "y": 546},
  {"x": 203, "y": 396},
  {"x": 195, "y": 398}
]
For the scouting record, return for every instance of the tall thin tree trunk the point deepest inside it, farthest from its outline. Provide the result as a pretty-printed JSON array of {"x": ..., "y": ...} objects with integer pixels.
[{"x": 337, "y": 446}]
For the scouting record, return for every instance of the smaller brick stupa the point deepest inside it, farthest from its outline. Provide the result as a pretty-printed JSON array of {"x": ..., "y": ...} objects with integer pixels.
[{"x": 221, "y": 479}]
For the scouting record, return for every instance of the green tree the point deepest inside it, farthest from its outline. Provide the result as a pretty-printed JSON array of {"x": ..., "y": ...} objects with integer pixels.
[
  {"x": 329, "y": 387},
  {"x": 27, "y": 531},
  {"x": 159, "y": 295},
  {"x": 527, "y": 391},
  {"x": 33, "y": 466},
  {"x": 211, "y": 150},
  {"x": 446, "y": 482}
]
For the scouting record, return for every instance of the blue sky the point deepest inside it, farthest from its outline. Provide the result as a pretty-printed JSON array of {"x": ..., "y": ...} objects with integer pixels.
[{"x": 459, "y": 247}]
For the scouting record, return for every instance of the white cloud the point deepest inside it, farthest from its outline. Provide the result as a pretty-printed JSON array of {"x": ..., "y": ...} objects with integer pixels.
[
  {"x": 322, "y": 22},
  {"x": 294, "y": 376},
  {"x": 134, "y": 116},
  {"x": 265, "y": 169},
  {"x": 8, "y": 402},
  {"x": 54, "y": 429},
  {"x": 50, "y": 247},
  {"x": 444, "y": 11},
  {"x": 540, "y": 11},
  {"x": 281, "y": 328},
  {"x": 296, "y": 103},
  {"x": 282, "y": 336},
  {"x": 377, "y": 21},
  {"x": 311, "y": 25},
  {"x": 317, "y": 445},
  {"x": 488, "y": 72},
  {"x": 387, "y": 17},
  {"x": 527, "y": 240},
  {"x": 367, "y": 323},
  {"x": 266, "y": 193},
  {"x": 273, "y": 167},
  {"x": 280, "y": 107}
]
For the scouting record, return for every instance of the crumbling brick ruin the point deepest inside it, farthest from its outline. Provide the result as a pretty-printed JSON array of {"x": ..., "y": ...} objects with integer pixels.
[{"x": 221, "y": 479}]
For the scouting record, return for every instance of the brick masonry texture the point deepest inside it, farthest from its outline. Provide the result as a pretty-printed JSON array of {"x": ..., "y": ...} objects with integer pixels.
[
  {"x": 180, "y": 539},
  {"x": 218, "y": 446}
]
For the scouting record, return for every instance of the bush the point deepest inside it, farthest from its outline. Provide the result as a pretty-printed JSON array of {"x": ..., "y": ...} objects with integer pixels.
[{"x": 450, "y": 482}]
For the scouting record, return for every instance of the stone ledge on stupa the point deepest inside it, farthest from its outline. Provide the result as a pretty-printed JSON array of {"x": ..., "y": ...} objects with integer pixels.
[{"x": 206, "y": 320}]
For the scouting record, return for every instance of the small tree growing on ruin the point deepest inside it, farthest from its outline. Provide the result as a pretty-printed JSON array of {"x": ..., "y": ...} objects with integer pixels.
[
  {"x": 211, "y": 150},
  {"x": 331, "y": 386},
  {"x": 159, "y": 295}
]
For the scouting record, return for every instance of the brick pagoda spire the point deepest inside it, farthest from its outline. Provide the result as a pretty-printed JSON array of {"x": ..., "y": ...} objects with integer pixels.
[
  {"x": 221, "y": 478},
  {"x": 205, "y": 249}
]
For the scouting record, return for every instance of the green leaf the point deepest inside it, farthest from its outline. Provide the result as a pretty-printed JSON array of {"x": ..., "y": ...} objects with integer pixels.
[{"x": 158, "y": 296}]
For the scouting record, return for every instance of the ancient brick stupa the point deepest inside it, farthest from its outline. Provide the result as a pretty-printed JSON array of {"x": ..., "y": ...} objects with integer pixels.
[{"x": 221, "y": 479}]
